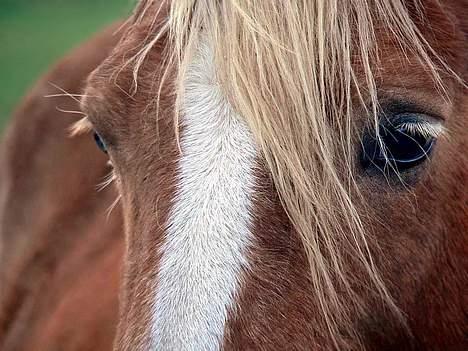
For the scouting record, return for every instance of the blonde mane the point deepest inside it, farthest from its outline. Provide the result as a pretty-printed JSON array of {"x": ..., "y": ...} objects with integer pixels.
[{"x": 288, "y": 68}]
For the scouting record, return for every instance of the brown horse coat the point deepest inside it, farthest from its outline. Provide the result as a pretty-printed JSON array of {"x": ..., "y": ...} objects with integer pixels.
[{"x": 60, "y": 253}]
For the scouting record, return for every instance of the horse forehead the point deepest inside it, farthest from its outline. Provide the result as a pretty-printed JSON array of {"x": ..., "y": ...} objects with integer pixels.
[
  {"x": 115, "y": 79},
  {"x": 116, "y": 84}
]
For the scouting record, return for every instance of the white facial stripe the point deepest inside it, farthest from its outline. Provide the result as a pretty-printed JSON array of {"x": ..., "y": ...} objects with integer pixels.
[{"x": 209, "y": 227}]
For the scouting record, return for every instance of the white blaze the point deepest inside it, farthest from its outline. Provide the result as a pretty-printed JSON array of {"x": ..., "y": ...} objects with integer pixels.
[{"x": 209, "y": 226}]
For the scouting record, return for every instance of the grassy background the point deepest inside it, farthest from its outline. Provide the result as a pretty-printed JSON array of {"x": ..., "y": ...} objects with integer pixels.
[{"x": 35, "y": 33}]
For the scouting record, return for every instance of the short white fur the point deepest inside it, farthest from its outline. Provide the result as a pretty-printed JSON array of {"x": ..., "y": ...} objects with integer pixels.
[{"x": 209, "y": 228}]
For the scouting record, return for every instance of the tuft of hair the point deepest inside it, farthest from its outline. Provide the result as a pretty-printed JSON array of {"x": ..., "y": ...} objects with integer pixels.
[
  {"x": 288, "y": 68},
  {"x": 82, "y": 126}
]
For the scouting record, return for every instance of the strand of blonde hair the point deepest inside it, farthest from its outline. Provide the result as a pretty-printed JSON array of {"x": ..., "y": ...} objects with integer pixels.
[{"x": 287, "y": 67}]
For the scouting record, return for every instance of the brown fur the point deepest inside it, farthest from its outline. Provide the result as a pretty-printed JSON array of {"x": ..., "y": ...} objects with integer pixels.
[
  {"x": 420, "y": 230},
  {"x": 423, "y": 252},
  {"x": 137, "y": 294},
  {"x": 60, "y": 255}
]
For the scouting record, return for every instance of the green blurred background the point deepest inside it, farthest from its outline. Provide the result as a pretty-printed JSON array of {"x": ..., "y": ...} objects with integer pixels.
[{"x": 35, "y": 33}]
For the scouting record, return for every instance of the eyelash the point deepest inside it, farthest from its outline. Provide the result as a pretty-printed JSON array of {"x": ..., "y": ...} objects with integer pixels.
[{"x": 403, "y": 142}]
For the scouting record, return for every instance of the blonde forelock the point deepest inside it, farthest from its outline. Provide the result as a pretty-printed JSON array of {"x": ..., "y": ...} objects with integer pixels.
[{"x": 288, "y": 68}]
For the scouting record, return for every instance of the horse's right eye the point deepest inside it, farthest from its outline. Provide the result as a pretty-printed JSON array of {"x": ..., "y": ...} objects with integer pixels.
[{"x": 100, "y": 142}]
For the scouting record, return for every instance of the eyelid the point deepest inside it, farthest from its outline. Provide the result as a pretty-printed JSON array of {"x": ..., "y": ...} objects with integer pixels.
[{"x": 403, "y": 104}]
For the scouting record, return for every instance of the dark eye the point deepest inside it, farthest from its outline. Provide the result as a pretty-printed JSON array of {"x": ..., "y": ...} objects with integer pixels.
[
  {"x": 404, "y": 143},
  {"x": 100, "y": 142}
]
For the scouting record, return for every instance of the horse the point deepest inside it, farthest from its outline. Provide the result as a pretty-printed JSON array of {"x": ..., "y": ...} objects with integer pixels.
[{"x": 290, "y": 176}]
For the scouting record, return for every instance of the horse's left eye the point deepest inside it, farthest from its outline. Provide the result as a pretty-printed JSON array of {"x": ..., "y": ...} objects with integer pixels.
[
  {"x": 403, "y": 144},
  {"x": 100, "y": 142}
]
